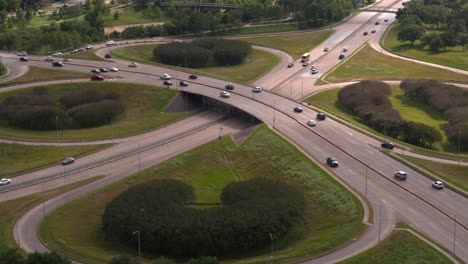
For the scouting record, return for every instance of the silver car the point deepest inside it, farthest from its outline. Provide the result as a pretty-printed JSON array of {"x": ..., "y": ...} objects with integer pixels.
[{"x": 5, "y": 181}]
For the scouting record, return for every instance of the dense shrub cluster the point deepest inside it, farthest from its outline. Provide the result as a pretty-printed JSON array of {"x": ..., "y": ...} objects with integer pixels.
[
  {"x": 202, "y": 53},
  {"x": 160, "y": 211},
  {"x": 449, "y": 100},
  {"x": 369, "y": 101},
  {"x": 38, "y": 110}
]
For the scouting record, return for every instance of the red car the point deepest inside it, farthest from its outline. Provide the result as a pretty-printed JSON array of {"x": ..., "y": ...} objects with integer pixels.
[
  {"x": 193, "y": 76},
  {"x": 97, "y": 78}
]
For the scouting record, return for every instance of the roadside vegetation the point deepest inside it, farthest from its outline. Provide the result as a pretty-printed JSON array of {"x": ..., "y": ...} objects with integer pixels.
[
  {"x": 143, "y": 106},
  {"x": 293, "y": 44},
  {"x": 17, "y": 158},
  {"x": 452, "y": 57},
  {"x": 452, "y": 173},
  {"x": 11, "y": 211},
  {"x": 439, "y": 30},
  {"x": 3, "y": 69},
  {"x": 369, "y": 64},
  {"x": 255, "y": 66},
  {"x": 333, "y": 215},
  {"x": 400, "y": 247},
  {"x": 409, "y": 110},
  {"x": 36, "y": 74}
]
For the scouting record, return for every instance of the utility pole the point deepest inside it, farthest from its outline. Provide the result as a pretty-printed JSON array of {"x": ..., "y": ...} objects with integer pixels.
[{"x": 454, "y": 233}]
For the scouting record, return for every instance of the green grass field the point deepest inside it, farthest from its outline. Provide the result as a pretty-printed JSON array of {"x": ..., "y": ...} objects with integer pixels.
[
  {"x": 36, "y": 74},
  {"x": 11, "y": 211},
  {"x": 454, "y": 57},
  {"x": 128, "y": 16},
  {"x": 457, "y": 175},
  {"x": 143, "y": 112},
  {"x": 293, "y": 44},
  {"x": 369, "y": 64},
  {"x": 16, "y": 158},
  {"x": 327, "y": 101},
  {"x": 258, "y": 63},
  {"x": 333, "y": 214},
  {"x": 400, "y": 247}
]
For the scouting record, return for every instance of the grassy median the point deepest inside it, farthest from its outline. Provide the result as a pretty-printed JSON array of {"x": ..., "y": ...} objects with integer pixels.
[
  {"x": 400, "y": 247},
  {"x": 333, "y": 214},
  {"x": 258, "y": 63},
  {"x": 369, "y": 64},
  {"x": 36, "y": 74},
  {"x": 143, "y": 112}
]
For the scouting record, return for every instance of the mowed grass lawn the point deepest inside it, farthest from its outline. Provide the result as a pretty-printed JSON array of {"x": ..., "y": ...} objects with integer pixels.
[
  {"x": 11, "y": 211},
  {"x": 36, "y": 74},
  {"x": 455, "y": 174},
  {"x": 400, "y": 247},
  {"x": 333, "y": 215},
  {"x": 143, "y": 112},
  {"x": 16, "y": 158},
  {"x": 3, "y": 69},
  {"x": 127, "y": 16},
  {"x": 417, "y": 112},
  {"x": 369, "y": 64},
  {"x": 454, "y": 57},
  {"x": 293, "y": 44},
  {"x": 258, "y": 63}
]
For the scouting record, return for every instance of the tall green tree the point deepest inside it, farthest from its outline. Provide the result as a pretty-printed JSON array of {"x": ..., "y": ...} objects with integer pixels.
[{"x": 410, "y": 33}]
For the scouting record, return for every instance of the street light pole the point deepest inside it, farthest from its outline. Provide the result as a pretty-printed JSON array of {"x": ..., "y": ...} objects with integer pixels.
[
  {"x": 366, "y": 181},
  {"x": 56, "y": 126},
  {"x": 271, "y": 251},
  {"x": 274, "y": 113},
  {"x": 454, "y": 233},
  {"x": 139, "y": 248}
]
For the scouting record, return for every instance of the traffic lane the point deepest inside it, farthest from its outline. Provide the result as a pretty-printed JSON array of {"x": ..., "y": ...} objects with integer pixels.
[
  {"x": 137, "y": 143},
  {"x": 353, "y": 172},
  {"x": 25, "y": 229}
]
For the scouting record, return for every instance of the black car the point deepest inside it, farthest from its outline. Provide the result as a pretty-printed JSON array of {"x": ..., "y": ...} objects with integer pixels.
[
  {"x": 57, "y": 64},
  {"x": 167, "y": 82},
  {"x": 365, "y": 33},
  {"x": 332, "y": 162},
  {"x": 321, "y": 116},
  {"x": 387, "y": 145},
  {"x": 298, "y": 109},
  {"x": 290, "y": 65},
  {"x": 95, "y": 71},
  {"x": 183, "y": 83},
  {"x": 107, "y": 56},
  {"x": 23, "y": 59},
  {"x": 104, "y": 70},
  {"x": 193, "y": 76},
  {"x": 230, "y": 87},
  {"x": 341, "y": 57},
  {"x": 68, "y": 161}
]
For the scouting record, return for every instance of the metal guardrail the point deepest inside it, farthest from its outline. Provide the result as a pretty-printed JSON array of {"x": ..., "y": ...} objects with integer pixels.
[{"x": 200, "y": 5}]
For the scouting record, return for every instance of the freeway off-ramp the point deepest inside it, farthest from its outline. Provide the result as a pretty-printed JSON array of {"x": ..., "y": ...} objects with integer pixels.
[{"x": 431, "y": 212}]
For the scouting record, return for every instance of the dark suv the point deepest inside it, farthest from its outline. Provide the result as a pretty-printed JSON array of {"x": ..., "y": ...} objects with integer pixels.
[
  {"x": 332, "y": 162},
  {"x": 387, "y": 145},
  {"x": 321, "y": 116}
]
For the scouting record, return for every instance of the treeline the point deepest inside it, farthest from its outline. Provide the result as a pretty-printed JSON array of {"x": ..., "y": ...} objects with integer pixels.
[
  {"x": 38, "y": 110},
  {"x": 168, "y": 225},
  {"x": 203, "y": 53},
  {"x": 60, "y": 36},
  {"x": 369, "y": 101},
  {"x": 448, "y": 100},
  {"x": 13, "y": 256},
  {"x": 437, "y": 24}
]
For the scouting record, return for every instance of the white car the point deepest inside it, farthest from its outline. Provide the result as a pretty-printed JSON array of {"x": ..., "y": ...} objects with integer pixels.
[
  {"x": 57, "y": 54},
  {"x": 314, "y": 71},
  {"x": 165, "y": 77},
  {"x": 113, "y": 69},
  {"x": 89, "y": 47},
  {"x": 311, "y": 123},
  {"x": 22, "y": 53},
  {"x": 225, "y": 94},
  {"x": 110, "y": 43},
  {"x": 257, "y": 89},
  {"x": 438, "y": 185},
  {"x": 5, "y": 181},
  {"x": 345, "y": 49},
  {"x": 133, "y": 64},
  {"x": 304, "y": 64}
]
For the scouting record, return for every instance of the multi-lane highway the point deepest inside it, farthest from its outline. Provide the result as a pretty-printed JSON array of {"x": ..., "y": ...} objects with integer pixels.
[{"x": 440, "y": 215}]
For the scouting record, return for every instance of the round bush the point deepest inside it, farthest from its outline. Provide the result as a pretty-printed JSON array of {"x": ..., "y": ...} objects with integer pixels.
[
  {"x": 94, "y": 114},
  {"x": 168, "y": 225},
  {"x": 183, "y": 54}
]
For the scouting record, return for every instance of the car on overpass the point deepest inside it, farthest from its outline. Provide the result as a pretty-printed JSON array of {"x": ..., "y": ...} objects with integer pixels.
[
  {"x": 438, "y": 185},
  {"x": 298, "y": 109},
  {"x": 167, "y": 82},
  {"x": 401, "y": 175},
  {"x": 311, "y": 123},
  {"x": 183, "y": 83},
  {"x": 165, "y": 76},
  {"x": 229, "y": 87},
  {"x": 257, "y": 89},
  {"x": 67, "y": 161},
  {"x": 225, "y": 94}
]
